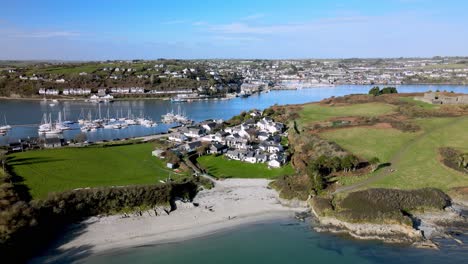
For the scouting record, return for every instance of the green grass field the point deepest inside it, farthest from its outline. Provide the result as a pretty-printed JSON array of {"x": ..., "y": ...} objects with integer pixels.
[
  {"x": 370, "y": 142},
  {"x": 419, "y": 164},
  {"x": 415, "y": 155},
  {"x": 56, "y": 170},
  {"x": 314, "y": 112},
  {"x": 222, "y": 167}
]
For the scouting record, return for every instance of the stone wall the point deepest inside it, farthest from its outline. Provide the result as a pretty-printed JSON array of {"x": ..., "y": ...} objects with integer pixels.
[{"x": 438, "y": 98}]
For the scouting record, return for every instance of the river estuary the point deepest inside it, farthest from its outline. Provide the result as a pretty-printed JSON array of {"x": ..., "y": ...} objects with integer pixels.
[
  {"x": 26, "y": 115},
  {"x": 282, "y": 241}
]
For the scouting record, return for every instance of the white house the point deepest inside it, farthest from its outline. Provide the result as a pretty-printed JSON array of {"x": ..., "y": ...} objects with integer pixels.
[
  {"x": 251, "y": 157},
  {"x": 274, "y": 163},
  {"x": 177, "y": 137}
]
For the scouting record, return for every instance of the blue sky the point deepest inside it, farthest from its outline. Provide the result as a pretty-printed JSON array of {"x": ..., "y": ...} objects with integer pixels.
[{"x": 102, "y": 29}]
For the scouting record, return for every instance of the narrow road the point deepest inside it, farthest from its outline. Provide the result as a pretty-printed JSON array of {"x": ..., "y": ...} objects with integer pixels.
[{"x": 395, "y": 160}]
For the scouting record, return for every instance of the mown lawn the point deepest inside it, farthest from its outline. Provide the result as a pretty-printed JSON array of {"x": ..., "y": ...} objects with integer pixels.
[
  {"x": 56, "y": 170},
  {"x": 222, "y": 167},
  {"x": 370, "y": 142},
  {"x": 314, "y": 112},
  {"x": 419, "y": 165}
]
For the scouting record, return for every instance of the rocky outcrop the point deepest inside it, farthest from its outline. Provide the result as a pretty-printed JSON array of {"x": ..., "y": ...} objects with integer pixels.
[
  {"x": 391, "y": 233},
  {"x": 430, "y": 216}
]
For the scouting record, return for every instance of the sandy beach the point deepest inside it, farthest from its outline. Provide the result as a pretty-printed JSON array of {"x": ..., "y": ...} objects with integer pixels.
[{"x": 230, "y": 203}]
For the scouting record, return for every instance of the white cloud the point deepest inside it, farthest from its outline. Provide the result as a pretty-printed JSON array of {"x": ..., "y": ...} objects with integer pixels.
[{"x": 249, "y": 28}]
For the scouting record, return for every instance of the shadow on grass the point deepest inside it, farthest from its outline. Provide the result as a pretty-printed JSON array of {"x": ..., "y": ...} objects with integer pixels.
[
  {"x": 30, "y": 161},
  {"x": 21, "y": 189},
  {"x": 383, "y": 165}
]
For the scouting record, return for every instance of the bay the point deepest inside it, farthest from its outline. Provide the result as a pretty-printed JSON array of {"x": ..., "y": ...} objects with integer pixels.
[
  {"x": 25, "y": 115},
  {"x": 285, "y": 241}
]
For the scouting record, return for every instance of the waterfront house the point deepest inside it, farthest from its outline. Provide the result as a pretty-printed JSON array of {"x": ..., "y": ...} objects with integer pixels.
[
  {"x": 177, "y": 137},
  {"x": 195, "y": 132}
]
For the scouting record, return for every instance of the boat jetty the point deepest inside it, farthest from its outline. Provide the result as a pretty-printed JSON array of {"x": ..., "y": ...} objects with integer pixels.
[{"x": 117, "y": 122}]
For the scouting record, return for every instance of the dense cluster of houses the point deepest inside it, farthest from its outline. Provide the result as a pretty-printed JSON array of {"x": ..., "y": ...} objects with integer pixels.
[{"x": 257, "y": 140}]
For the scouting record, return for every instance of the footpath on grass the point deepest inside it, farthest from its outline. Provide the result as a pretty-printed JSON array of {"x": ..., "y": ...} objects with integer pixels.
[{"x": 395, "y": 160}]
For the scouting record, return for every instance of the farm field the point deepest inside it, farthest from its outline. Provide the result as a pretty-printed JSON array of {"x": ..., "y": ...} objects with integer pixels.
[
  {"x": 63, "y": 169},
  {"x": 221, "y": 167}
]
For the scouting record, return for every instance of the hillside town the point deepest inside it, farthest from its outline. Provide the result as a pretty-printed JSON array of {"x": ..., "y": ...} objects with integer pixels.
[{"x": 202, "y": 79}]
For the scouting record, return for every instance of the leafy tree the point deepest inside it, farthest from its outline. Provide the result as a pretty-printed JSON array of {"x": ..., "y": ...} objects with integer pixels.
[
  {"x": 316, "y": 177},
  {"x": 349, "y": 162},
  {"x": 375, "y": 91},
  {"x": 268, "y": 112},
  {"x": 389, "y": 90},
  {"x": 202, "y": 149},
  {"x": 171, "y": 157}
]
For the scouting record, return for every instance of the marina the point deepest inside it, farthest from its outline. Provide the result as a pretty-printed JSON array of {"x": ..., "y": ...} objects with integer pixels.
[{"x": 24, "y": 116}]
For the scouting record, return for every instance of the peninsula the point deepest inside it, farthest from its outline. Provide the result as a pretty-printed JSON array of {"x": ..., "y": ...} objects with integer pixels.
[{"x": 382, "y": 165}]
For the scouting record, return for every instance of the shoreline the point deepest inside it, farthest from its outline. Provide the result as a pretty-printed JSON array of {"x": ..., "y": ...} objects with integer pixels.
[
  {"x": 230, "y": 204},
  {"x": 432, "y": 225},
  {"x": 60, "y": 98}
]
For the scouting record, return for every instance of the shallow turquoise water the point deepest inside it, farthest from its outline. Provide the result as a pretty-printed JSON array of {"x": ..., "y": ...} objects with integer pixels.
[{"x": 286, "y": 241}]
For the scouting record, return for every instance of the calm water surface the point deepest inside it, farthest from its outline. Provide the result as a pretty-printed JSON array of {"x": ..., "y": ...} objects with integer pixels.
[
  {"x": 286, "y": 241},
  {"x": 26, "y": 115}
]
